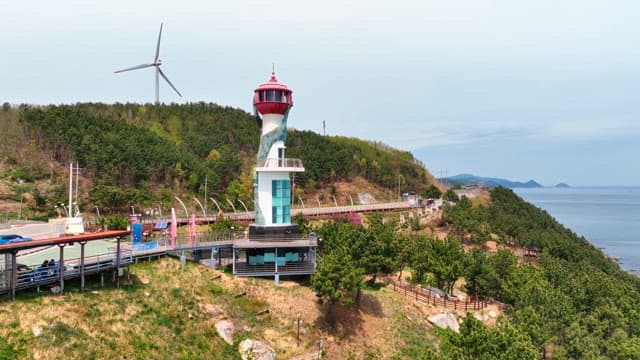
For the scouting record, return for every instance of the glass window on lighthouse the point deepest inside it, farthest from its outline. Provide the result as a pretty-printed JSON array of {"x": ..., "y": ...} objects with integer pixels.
[{"x": 281, "y": 201}]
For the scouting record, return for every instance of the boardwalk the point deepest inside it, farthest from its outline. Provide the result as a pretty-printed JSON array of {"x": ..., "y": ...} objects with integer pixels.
[{"x": 329, "y": 210}]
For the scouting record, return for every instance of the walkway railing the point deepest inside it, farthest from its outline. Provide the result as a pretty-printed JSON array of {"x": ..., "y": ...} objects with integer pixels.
[
  {"x": 48, "y": 275},
  {"x": 328, "y": 210},
  {"x": 429, "y": 297}
]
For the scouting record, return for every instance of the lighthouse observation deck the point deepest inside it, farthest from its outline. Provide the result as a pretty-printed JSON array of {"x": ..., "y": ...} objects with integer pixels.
[{"x": 280, "y": 165}]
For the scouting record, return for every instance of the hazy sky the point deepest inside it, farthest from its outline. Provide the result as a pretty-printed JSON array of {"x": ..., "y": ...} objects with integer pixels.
[{"x": 540, "y": 89}]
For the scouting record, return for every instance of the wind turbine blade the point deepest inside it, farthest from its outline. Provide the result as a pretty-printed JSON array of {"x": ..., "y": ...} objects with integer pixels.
[
  {"x": 158, "y": 45},
  {"x": 134, "y": 68},
  {"x": 167, "y": 79}
]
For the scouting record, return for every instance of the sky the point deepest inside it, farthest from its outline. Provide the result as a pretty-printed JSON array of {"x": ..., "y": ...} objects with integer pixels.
[{"x": 544, "y": 90}]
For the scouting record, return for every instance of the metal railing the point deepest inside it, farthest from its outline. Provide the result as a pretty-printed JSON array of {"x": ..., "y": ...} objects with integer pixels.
[
  {"x": 292, "y": 268},
  {"x": 47, "y": 275},
  {"x": 238, "y": 239},
  {"x": 281, "y": 163}
]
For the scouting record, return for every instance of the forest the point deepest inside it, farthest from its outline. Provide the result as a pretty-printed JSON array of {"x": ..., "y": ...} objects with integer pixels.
[
  {"x": 142, "y": 154},
  {"x": 568, "y": 302}
]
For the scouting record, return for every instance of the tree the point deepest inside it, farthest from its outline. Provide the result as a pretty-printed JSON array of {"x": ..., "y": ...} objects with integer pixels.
[
  {"x": 335, "y": 279},
  {"x": 451, "y": 195},
  {"x": 432, "y": 192},
  {"x": 477, "y": 342},
  {"x": 475, "y": 270},
  {"x": 446, "y": 262}
]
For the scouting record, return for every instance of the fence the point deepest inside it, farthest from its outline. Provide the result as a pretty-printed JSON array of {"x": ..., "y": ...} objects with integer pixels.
[{"x": 429, "y": 297}]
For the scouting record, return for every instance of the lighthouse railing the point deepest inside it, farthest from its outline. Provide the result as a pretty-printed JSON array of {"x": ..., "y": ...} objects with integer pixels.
[{"x": 281, "y": 163}]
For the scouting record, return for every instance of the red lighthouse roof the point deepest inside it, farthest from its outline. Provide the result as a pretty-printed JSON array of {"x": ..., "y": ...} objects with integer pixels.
[
  {"x": 272, "y": 97},
  {"x": 273, "y": 84}
]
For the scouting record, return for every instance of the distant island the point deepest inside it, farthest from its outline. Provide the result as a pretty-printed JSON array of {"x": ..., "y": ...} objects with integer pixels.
[
  {"x": 468, "y": 179},
  {"x": 562, "y": 185}
]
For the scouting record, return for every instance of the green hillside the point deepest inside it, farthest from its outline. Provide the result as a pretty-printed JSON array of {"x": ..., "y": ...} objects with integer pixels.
[{"x": 144, "y": 154}]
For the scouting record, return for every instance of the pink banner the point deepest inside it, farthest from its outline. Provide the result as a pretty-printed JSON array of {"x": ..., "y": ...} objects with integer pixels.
[
  {"x": 192, "y": 230},
  {"x": 173, "y": 230}
]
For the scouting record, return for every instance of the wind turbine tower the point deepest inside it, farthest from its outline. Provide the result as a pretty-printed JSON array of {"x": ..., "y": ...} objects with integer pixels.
[{"x": 156, "y": 63}]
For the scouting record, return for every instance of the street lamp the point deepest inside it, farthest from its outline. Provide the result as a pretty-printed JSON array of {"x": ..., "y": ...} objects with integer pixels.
[
  {"x": 399, "y": 176},
  {"x": 20, "y": 213}
]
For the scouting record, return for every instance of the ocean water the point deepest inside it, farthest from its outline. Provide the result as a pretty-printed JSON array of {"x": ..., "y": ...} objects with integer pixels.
[{"x": 609, "y": 217}]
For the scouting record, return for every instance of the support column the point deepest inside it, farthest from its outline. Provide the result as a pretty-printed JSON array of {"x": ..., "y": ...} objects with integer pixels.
[
  {"x": 276, "y": 278},
  {"x": 118, "y": 262},
  {"x": 233, "y": 257},
  {"x": 82, "y": 244},
  {"x": 14, "y": 274},
  {"x": 61, "y": 265}
]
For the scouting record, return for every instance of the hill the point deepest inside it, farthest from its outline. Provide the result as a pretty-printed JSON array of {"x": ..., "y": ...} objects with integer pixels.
[
  {"x": 143, "y": 155},
  {"x": 469, "y": 179},
  {"x": 170, "y": 311},
  {"x": 562, "y": 185}
]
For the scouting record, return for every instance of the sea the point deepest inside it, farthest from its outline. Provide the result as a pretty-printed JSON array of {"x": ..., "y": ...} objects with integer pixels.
[{"x": 608, "y": 217}]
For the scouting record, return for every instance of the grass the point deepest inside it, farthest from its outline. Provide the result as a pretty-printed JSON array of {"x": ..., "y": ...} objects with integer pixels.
[
  {"x": 162, "y": 319},
  {"x": 169, "y": 311}
]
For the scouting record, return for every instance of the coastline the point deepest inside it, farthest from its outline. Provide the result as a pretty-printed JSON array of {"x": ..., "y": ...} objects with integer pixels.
[{"x": 606, "y": 216}]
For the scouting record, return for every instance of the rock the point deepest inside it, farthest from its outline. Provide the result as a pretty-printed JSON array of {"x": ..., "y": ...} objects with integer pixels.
[
  {"x": 256, "y": 350},
  {"x": 212, "y": 309},
  {"x": 225, "y": 329},
  {"x": 55, "y": 290},
  {"x": 37, "y": 331},
  {"x": 94, "y": 292},
  {"x": 478, "y": 317},
  {"x": 147, "y": 294},
  {"x": 492, "y": 314},
  {"x": 445, "y": 321},
  {"x": 143, "y": 280}
]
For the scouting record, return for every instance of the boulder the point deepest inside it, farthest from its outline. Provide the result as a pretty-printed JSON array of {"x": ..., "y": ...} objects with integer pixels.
[
  {"x": 445, "y": 321},
  {"x": 225, "y": 329},
  {"x": 492, "y": 314},
  {"x": 55, "y": 290},
  {"x": 256, "y": 350}
]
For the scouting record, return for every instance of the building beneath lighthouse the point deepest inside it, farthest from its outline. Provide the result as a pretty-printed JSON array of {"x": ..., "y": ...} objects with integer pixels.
[{"x": 274, "y": 246}]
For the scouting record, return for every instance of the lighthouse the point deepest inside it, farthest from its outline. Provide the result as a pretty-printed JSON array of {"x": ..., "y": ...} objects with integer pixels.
[
  {"x": 272, "y": 102},
  {"x": 273, "y": 245}
]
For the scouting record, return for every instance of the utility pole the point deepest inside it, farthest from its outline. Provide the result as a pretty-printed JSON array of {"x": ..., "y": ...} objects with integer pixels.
[
  {"x": 20, "y": 213},
  {"x": 77, "y": 173},
  {"x": 70, "y": 189}
]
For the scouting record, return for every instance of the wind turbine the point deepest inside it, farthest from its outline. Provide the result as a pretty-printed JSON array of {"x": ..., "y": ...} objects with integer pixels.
[{"x": 156, "y": 63}]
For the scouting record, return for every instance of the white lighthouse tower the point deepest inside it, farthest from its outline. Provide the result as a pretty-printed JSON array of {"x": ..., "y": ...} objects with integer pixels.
[
  {"x": 274, "y": 246},
  {"x": 272, "y": 186}
]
